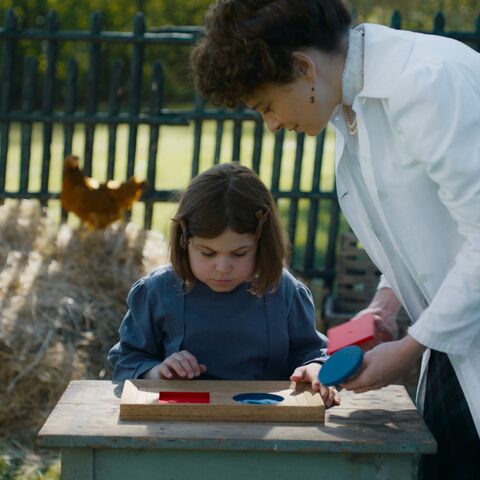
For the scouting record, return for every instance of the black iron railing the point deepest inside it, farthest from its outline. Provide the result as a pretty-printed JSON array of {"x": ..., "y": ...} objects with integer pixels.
[{"x": 28, "y": 110}]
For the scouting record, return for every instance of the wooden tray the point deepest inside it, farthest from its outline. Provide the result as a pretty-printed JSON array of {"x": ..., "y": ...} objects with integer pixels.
[{"x": 141, "y": 401}]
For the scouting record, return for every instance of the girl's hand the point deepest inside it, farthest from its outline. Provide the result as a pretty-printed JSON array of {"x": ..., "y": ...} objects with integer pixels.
[
  {"x": 309, "y": 373},
  {"x": 385, "y": 363},
  {"x": 180, "y": 365}
]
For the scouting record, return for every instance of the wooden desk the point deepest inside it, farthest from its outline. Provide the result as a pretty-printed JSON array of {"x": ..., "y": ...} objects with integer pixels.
[{"x": 376, "y": 435}]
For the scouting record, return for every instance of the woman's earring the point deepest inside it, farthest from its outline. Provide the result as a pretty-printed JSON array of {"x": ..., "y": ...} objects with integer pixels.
[{"x": 312, "y": 98}]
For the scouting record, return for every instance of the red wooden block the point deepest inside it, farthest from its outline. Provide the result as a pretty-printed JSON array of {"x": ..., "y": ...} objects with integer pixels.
[
  {"x": 184, "y": 397},
  {"x": 354, "y": 332}
]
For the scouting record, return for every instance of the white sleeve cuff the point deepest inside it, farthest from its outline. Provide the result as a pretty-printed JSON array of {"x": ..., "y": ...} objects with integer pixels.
[
  {"x": 428, "y": 339},
  {"x": 383, "y": 282}
]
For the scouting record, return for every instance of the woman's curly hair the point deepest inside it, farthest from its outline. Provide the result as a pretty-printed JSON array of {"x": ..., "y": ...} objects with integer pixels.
[{"x": 249, "y": 43}]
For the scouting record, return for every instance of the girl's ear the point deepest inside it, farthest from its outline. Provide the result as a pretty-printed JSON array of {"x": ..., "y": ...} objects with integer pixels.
[{"x": 304, "y": 65}]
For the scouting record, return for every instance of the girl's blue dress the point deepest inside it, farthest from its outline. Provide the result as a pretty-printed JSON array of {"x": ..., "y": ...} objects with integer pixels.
[{"x": 237, "y": 335}]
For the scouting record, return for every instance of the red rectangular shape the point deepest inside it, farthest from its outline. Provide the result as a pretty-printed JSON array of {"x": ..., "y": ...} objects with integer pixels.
[
  {"x": 184, "y": 397},
  {"x": 354, "y": 332}
]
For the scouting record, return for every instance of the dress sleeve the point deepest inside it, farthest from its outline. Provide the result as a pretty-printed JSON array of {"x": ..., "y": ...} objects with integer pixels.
[
  {"x": 140, "y": 345},
  {"x": 437, "y": 115},
  {"x": 306, "y": 344}
]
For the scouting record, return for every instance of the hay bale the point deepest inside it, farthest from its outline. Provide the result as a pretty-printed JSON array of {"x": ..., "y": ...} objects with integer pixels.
[{"x": 62, "y": 298}]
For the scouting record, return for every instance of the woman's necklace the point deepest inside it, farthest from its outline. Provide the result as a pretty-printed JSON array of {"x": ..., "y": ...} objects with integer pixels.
[{"x": 352, "y": 126}]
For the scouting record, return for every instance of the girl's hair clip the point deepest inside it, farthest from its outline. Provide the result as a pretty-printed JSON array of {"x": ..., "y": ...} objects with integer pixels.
[{"x": 262, "y": 218}]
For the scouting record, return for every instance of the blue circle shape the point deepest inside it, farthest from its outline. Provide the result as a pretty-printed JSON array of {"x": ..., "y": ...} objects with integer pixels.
[
  {"x": 341, "y": 365},
  {"x": 258, "y": 398}
]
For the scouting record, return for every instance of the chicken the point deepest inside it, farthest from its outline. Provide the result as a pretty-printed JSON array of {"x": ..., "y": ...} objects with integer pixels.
[{"x": 97, "y": 204}]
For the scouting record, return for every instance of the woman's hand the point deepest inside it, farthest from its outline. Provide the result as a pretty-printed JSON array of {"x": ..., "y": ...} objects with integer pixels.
[
  {"x": 309, "y": 373},
  {"x": 180, "y": 365},
  {"x": 385, "y": 363},
  {"x": 384, "y": 307}
]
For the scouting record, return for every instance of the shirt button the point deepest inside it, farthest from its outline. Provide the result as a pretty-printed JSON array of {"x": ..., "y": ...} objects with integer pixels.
[{"x": 382, "y": 195}]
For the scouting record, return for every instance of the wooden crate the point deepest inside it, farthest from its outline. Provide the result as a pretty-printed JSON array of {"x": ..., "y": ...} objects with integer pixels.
[{"x": 356, "y": 282}]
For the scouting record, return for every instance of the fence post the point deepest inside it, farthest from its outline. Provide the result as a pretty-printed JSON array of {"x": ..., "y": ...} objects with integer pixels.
[
  {"x": 7, "y": 75},
  {"x": 309, "y": 260},
  {"x": 70, "y": 107},
  {"x": 297, "y": 174},
  {"x": 113, "y": 111},
  {"x": 28, "y": 101},
  {"x": 218, "y": 139},
  {"x": 277, "y": 161},
  {"x": 237, "y": 135},
  {"x": 136, "y": 75},
  {"x": 48, "y": 102},
  {"x": 257, "y": 144},
  {"x": 70, "y": 104},
  {"x": 330, "y": 254},
  {"x": 197, "y": 134},
  {"x": 477, "y": 34},
  {"x": 156, "y": 105},
  {"x": 91, "y": 98}
]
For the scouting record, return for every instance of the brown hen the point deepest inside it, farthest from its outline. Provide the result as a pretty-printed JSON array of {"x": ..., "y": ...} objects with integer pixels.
[{"x": 97, "y": 204}]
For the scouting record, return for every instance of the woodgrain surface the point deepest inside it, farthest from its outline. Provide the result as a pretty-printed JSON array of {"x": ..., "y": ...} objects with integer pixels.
[{"x": 382, "y": 421}]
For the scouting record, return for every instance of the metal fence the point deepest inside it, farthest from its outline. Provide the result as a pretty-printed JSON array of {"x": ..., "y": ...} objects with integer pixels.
[{"x": 314, "y": 262}]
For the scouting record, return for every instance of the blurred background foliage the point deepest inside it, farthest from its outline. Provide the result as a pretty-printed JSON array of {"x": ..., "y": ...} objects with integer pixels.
[{"x": 118, "y": 15}]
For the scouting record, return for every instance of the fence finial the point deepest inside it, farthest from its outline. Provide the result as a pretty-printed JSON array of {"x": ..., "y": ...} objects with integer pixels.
[
  {"x": 10, "y": 20},
  {"x": 396, "y": 21},
  {"x": 439, "y": 22}
]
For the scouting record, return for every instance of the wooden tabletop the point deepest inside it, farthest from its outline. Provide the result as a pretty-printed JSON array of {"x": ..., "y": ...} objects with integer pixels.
[{"x": 382, "y": 421}]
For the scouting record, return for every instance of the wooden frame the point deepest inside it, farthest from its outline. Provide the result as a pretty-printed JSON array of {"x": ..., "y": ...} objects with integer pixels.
[{"x": 140, "y": 401}]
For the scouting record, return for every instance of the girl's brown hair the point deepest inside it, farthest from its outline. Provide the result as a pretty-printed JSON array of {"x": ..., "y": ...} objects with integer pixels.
[
  {"x": 231, "y": 196},
  {"x": 248, "y": 44}
]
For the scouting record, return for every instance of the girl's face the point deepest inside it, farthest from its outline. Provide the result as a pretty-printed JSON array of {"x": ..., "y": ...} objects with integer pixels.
[
  {"x": 289, "y": 106},
  {"x": 223, "y": 262}
]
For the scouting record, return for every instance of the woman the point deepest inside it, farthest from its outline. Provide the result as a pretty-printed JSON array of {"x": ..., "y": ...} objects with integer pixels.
[{"x": 406, "y": 111}]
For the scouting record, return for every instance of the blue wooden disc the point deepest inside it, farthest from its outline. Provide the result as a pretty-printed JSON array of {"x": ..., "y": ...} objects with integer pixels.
[
  {"x": 258, "y": 398},
  {"x": 341, "y": 365}
]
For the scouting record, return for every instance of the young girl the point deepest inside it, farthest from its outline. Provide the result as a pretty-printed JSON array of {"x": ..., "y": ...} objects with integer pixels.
[{"x": 225, "y": 308}]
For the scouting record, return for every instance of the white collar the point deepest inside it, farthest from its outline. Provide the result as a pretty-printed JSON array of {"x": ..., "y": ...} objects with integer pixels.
[{"x": 352, "y": 78}]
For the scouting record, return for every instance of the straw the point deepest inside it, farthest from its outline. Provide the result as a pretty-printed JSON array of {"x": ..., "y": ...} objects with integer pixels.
[{"x": 62, "y": 298}]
